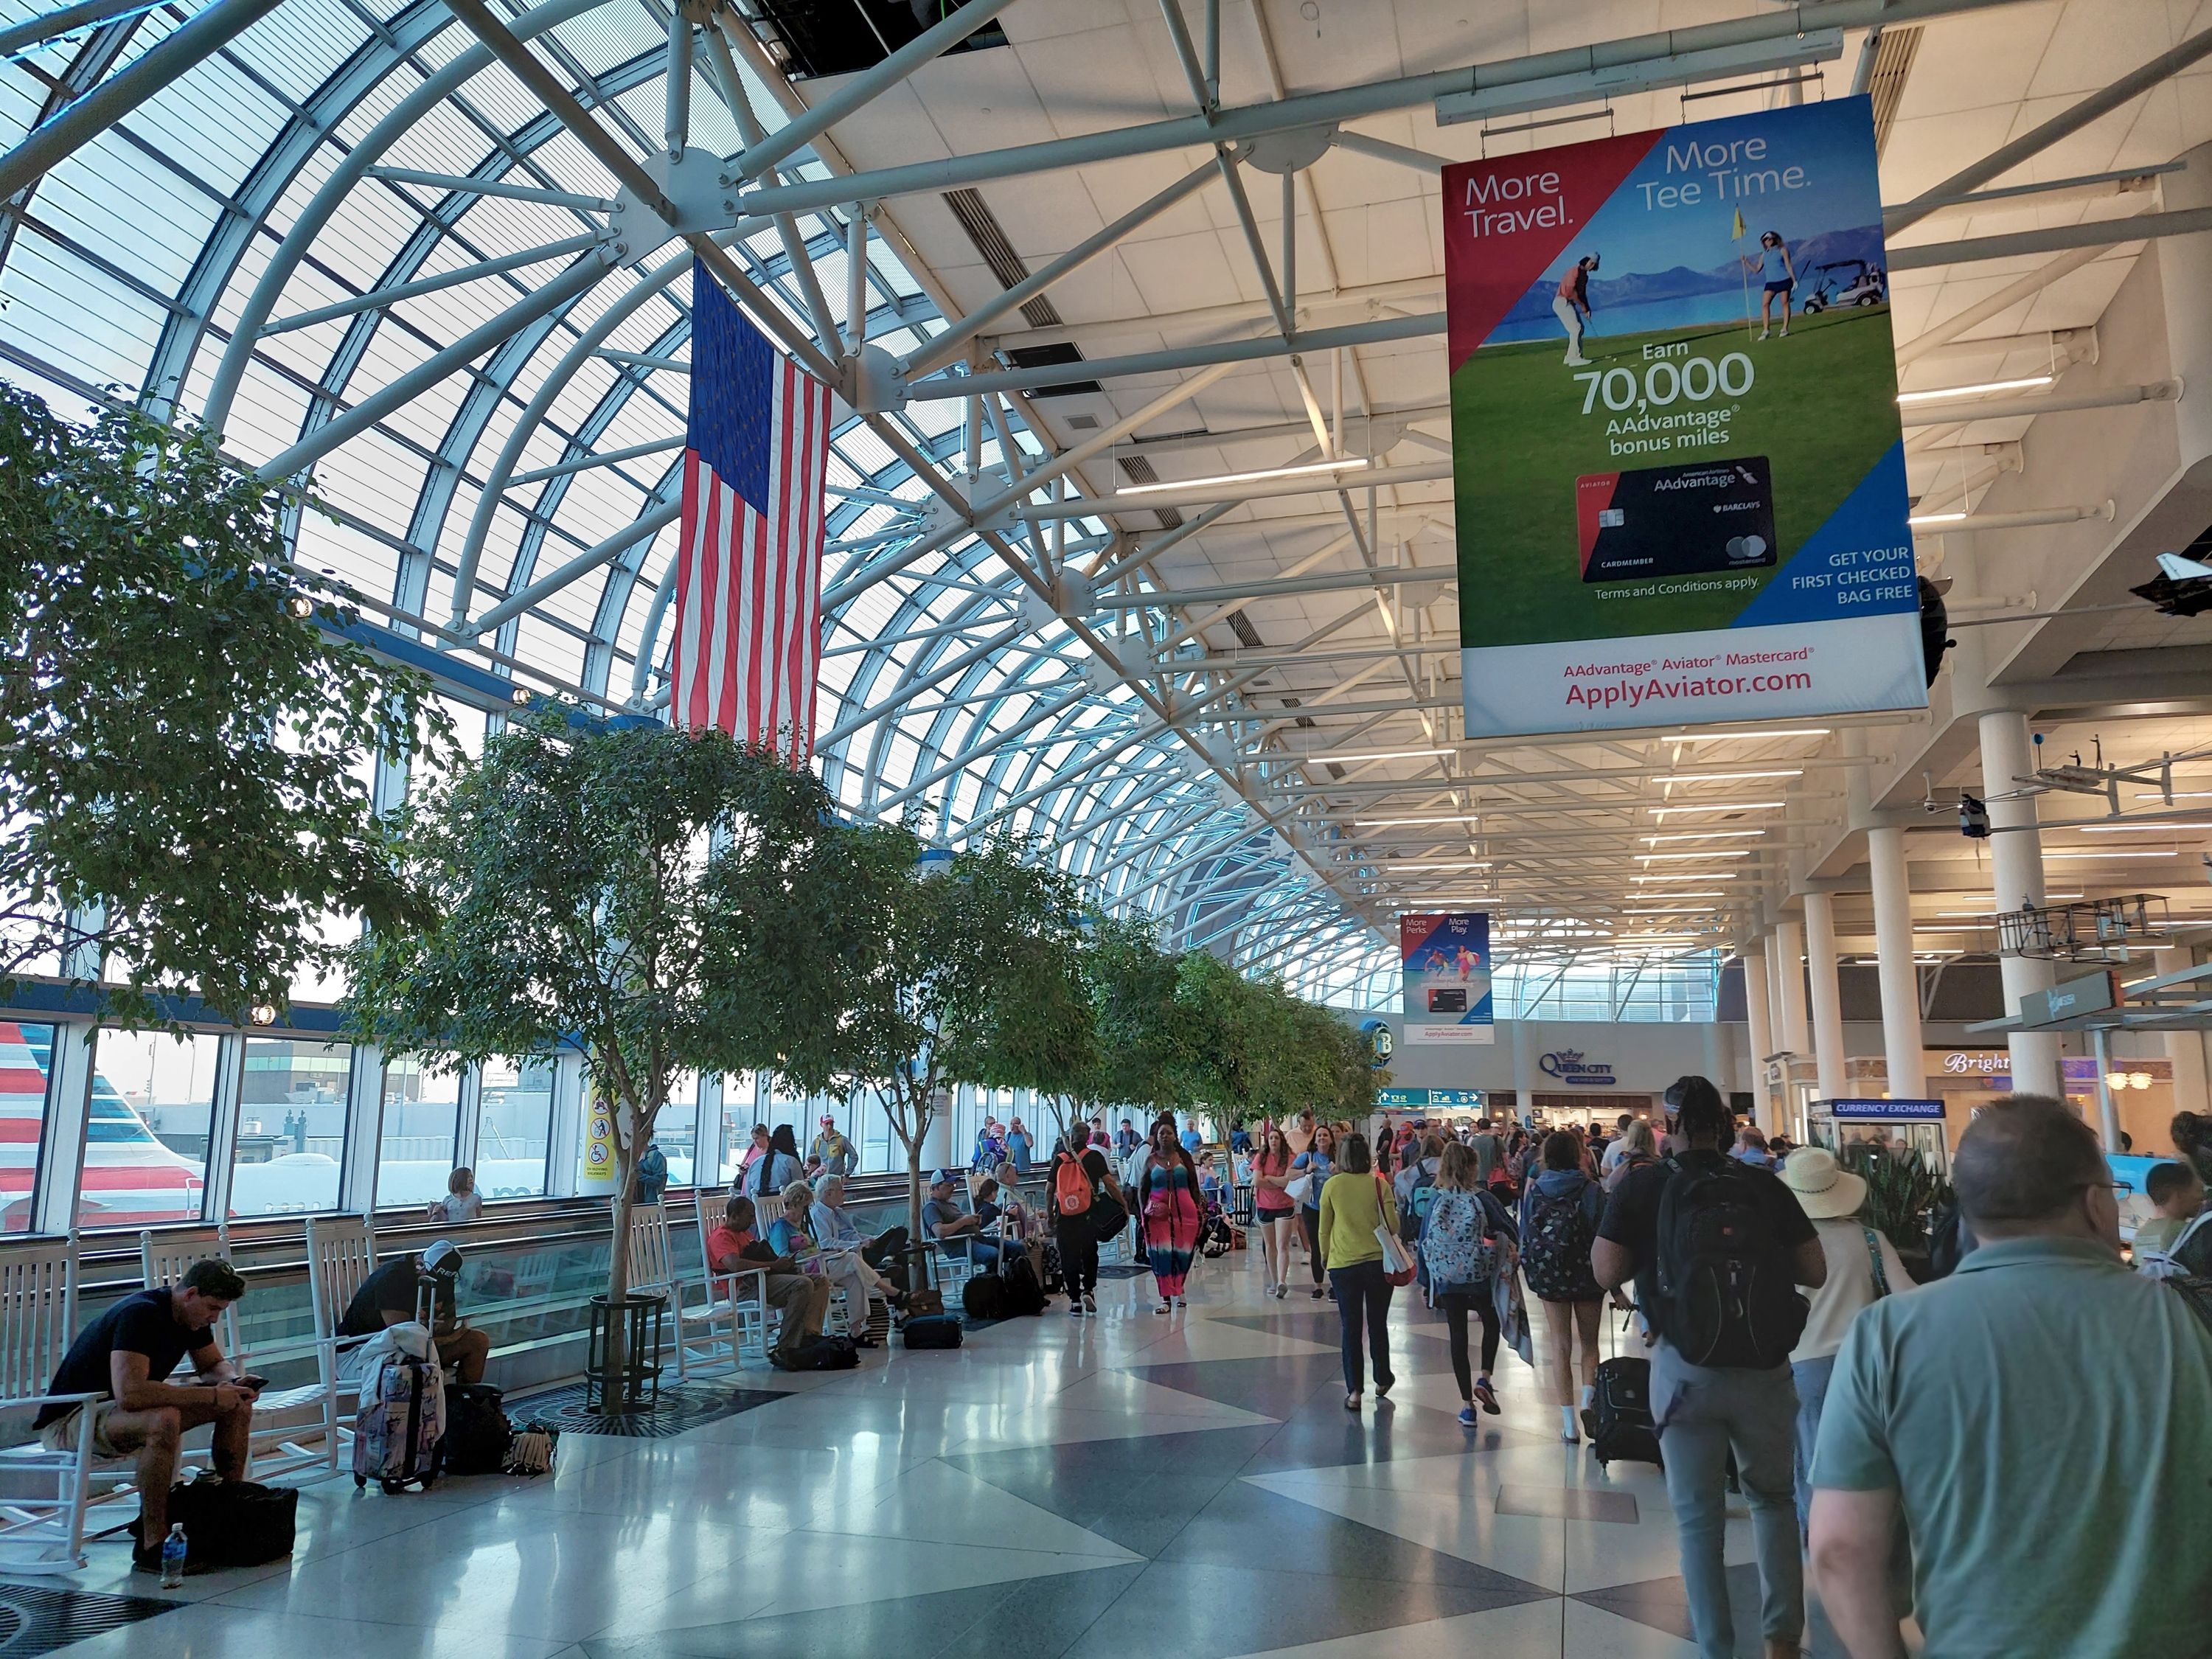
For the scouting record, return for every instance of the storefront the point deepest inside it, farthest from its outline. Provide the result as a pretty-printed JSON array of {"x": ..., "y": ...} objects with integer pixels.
[{"x": 2142, "y": 1088}]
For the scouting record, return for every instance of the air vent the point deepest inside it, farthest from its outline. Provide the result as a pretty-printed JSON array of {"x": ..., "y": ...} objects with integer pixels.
[
  {"x": 1051, "y": 356},
  {"x": 1083, "y": 423},
  {"x": 989, "y": 237},
  {"x": 1241, "y": 625},
  {"x": 1303, "y": 719},
  {"x": 1892, "y": 61},
  {"x": 1138, "y": 470},
  {"x": 810, "y": 38}
]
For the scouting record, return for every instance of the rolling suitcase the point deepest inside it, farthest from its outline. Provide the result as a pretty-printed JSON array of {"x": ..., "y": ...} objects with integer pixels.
[
  {"x": 401, "y": 1422},
  {"x": 1620, "y": 1423},
  {"x": 930, "y": 1331}
]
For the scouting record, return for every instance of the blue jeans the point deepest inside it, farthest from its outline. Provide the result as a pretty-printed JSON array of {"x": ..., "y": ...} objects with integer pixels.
[
  {"x": 1703, "y": 1414},
  {"x": 985, "y": 1252},
  {"x": 1363, "y": 1296},
  {"x": 1811, "y": 1377}
]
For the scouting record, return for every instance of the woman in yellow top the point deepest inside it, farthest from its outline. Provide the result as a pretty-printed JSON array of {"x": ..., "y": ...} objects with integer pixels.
[{"x": 1354, "y": 1202}]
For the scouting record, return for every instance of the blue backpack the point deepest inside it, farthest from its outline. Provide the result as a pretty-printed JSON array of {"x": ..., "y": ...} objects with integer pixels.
[{"x": 1420, "y": 1199}]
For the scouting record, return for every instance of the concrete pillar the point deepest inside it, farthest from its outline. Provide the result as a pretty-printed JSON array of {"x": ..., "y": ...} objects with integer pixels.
[
  {"x": 2016, "y": 866},
  {"x": 1893, "y": 946},
  {"x": 1524, "y": 1067},
  {"x": 2184, "y": 1049},
  {"x": 1789, "y": 973},
  {"x": 1827, "y": 995},
  {"x": 1759, "y": 1028},
  {"x": 1716, "y": 1056}
]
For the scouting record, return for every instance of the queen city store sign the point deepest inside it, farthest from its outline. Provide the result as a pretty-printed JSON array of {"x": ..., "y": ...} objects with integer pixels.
[{"x": 1568, "y": 1066}]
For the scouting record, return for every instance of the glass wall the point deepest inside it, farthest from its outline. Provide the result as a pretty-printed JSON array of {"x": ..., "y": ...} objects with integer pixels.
[
  {"x": 146, "y": 1141},
  {"x": 291, "y": 1127},
  {"x": 514, "y": 1128},
  {"x": 420, "y": 1129},
  {"x": 25, "y": 1065}
]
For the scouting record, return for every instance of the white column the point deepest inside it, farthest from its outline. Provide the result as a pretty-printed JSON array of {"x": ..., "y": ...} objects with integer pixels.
[
  {"x": 2185, "y": 1050},
  {"x": 1788, "y": 975},
  {"x": 1524, "y": 1068},
  {"x": 1759, "y": 1028},
  {"x": 1717, "y": 1066},
  {"x": 1893, "y": 948},
  {"x": 1827, "y": 995},
  {"x": 2016, "y": 864}
]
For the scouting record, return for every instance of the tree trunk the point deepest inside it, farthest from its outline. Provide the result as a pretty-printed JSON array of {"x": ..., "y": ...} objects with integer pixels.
[
  {"x": 914, "y": 1233},
  {"x": 614, "y": 1360}
]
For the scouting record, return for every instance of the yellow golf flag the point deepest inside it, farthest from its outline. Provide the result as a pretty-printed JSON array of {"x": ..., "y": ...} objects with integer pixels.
[{"x": 1737, "y": 235}]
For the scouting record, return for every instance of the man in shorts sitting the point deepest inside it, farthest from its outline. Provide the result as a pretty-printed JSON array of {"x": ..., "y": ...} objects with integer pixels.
[{"x": 127, "y": 1355}]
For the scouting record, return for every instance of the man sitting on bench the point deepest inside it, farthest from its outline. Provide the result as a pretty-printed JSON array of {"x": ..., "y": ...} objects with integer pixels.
[
  {"x": 128, "y": 1354},
  {"x": 392, "y": 1295}
]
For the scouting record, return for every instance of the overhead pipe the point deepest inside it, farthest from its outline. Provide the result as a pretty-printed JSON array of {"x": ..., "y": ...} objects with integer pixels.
[{"x": 2097, "y": 233}]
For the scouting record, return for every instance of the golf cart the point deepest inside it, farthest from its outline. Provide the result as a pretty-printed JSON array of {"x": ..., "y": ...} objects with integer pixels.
[{"x": 1861, "y": 284}]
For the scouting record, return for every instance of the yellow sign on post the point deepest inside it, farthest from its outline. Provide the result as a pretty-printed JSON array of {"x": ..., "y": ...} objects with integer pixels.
[{"x": 600, "y": 1169}]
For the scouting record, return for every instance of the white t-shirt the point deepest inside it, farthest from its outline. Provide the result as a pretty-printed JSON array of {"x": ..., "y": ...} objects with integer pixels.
[{"x": 1849, "y": 1285}]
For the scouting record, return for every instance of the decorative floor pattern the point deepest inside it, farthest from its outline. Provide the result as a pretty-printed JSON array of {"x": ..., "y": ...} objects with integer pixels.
[
  {"x": 37, "y": 1619},
  {"x": 683, "y": 1405},
  {"x": 1057, "y": 1488}
]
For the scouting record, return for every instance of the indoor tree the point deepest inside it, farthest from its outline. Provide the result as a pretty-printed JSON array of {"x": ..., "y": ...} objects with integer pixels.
[
  {"x": 1130, "y": 983},
  {"x": 968, "y": 976},
  {"x": 591, "y": 885},
  {"x": 186, "y": 740}
]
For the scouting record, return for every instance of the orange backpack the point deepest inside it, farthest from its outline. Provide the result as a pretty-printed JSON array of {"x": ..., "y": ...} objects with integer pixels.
[{"x": 1071, "y": 1186}]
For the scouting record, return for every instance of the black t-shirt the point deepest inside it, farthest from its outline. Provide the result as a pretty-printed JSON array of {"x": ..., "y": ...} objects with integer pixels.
[
  {"x": 146, "y": 1323},
  {"x": 1632, "y": 1216},
  {"x": 392, "y": 1289}
]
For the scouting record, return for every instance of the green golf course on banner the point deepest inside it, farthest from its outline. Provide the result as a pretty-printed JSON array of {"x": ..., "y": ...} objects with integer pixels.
[{"x": 1818, "y": 403}]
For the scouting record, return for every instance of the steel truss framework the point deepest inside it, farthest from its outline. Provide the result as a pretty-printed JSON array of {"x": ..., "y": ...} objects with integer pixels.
[{"x": 435, "y": 258}]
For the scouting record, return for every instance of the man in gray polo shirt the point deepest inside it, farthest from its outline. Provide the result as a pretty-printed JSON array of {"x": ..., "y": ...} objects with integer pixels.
[{"x": 2043, "y": 1419}]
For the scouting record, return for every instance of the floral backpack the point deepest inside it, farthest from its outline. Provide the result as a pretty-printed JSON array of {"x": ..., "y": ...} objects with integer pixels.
[{"x": 1454, "y": 1242}]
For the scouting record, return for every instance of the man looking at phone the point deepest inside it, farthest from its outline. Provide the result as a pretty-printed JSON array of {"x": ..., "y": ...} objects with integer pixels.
[
  {"x": 127, "y": 1355},
  {"x": 393, "y": 1295}
]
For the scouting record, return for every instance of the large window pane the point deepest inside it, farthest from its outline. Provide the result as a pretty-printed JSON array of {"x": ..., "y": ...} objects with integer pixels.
[
  {"x": 26, "y": 1054},
  {"x": 515, "y": 1128},
  {"x": 677, "y": 1130},
  {"x": 146, "y": 1144},
  {"x": 415, "y": 1144},
  {"x": 291, "y": 1127}
]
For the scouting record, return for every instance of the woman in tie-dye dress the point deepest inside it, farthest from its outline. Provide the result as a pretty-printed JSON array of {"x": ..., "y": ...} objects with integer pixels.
[{"x": 1169, "y": 1194}]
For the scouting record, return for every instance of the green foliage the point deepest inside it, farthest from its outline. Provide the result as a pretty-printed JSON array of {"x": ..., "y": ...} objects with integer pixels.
[
  {"x": 1131, "y": 984},
  {"x": 1901, "y": 1192},
  {"x": 185, "y": 751},
  {"x": 658, "y": 898}
]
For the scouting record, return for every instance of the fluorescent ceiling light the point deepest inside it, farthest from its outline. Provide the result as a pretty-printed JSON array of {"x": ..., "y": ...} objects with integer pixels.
[
  {"x": 1724, "y": 736},
  {"x": 1722, "y": 806},
  {"x": 1724, "y": 777},
  {"x": 1370, "y": 755},
  {"x": 1671, "y": 910},
  {"x": 1352, "y": 464},
  {"x": 1700, "y": 835},
  {"x": 1392, "y": 824},
  {"x": 1687, "y": 875},
  {"x": 1679, "y": 858},
  {"x": 1934, "y": 517},
  {"x": 2130, "y": 829},
  {"x": 2027, "y": 384},
  {"x": 1440, "y": 864},
  {"x": 2179, "y": 794},
  {"x": 2115, "y": 853}
]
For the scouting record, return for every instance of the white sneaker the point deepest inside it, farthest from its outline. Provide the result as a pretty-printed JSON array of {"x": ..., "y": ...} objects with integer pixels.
[
  {"x": 1764, "y": 333},
  {"x": 1578, "y": 363}
]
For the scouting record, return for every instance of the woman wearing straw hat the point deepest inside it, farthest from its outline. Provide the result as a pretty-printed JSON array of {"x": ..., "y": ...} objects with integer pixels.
[{"x": 1862, "y": 1267}]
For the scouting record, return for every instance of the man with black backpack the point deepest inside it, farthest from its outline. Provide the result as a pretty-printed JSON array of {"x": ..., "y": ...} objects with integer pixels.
[{"x": 1716, "y": 1249}]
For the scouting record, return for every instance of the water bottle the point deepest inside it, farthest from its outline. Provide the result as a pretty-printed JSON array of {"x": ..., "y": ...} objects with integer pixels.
[{"x": 173, "y": 1557}]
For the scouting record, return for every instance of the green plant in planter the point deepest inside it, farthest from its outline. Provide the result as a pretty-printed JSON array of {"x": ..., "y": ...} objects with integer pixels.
[{"x": 1901, "y": 1192}]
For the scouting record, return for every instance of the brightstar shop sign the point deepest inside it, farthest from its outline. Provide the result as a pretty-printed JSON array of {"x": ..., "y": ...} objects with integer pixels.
[{"x": 1680, "y": 475}]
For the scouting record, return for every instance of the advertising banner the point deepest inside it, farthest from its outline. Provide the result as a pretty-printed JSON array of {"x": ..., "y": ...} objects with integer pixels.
[
  {"x": 1678, "y": 471},
  {"x": 1445, "y": 959}
]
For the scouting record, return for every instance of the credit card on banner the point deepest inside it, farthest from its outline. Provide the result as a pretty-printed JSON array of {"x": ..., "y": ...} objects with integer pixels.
[{"x": 1676, "y": 521}]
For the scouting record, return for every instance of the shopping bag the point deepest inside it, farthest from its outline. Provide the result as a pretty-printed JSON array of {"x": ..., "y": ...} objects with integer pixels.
[
  {"x": 1397, "y": 1260},
  {"x": 1513, "y": 1318}
]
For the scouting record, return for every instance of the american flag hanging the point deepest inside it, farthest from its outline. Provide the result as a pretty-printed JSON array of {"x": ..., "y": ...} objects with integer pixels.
[{"x": 749, "y": 566}]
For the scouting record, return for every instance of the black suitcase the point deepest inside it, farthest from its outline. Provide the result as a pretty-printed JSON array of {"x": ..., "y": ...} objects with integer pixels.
[
  {"x": 477, "y": 1433},
  {"x": 930, "y": 1331},
  {"x": 232, "y": 1523},
  {"x": 1620, "y": 1423},
  {"x": 823, "y": 1353}
]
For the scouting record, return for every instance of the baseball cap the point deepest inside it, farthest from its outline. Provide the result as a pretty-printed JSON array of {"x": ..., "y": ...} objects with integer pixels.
[
  {"x": 942, "y": 1178},
  {"x": 829, "y": 1121},
  {"x": 443, "y": 1259}
]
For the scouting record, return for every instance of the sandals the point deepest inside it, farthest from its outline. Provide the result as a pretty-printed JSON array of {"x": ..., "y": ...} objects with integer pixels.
[{"x": 1351, "y": 1402}]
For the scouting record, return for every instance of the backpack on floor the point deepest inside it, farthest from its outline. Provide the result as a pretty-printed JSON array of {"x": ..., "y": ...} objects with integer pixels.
[
  {"x": 983, "y": 1296},
  {"x": 824, "y": 1353},
  {"x": 1727, "y": 1297},
  {"x": 1555, "y": 1249},
  {"x": 1021, "y": 1296},
  {"x": 477, "y": 1433},
  {"x": 930, "y": 1331},
  {"x": 232, "y": 1523},
  {"x": 1620, "y": 1421}
]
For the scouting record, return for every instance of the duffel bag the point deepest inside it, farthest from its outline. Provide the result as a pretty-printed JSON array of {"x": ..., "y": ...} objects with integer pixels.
[{"x": 232, "y": 1523}]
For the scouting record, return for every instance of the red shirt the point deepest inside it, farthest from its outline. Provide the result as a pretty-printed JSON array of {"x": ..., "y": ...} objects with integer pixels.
[{"x": 724, "y": 1242}]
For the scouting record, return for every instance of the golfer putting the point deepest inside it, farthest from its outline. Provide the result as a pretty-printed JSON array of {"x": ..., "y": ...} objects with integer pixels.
[{"x": 1571, "y": 307}]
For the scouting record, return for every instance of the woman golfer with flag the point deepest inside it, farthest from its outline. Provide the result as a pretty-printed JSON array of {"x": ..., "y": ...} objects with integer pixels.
[{"x": 1775, "y": 272}]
